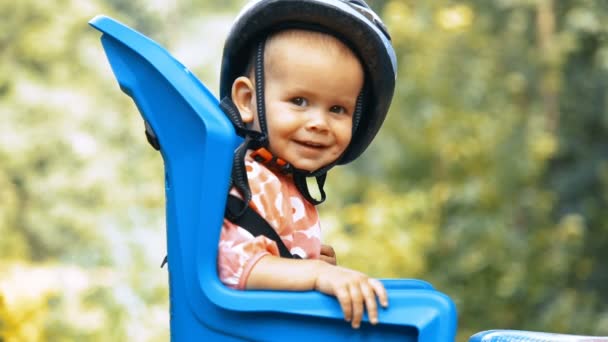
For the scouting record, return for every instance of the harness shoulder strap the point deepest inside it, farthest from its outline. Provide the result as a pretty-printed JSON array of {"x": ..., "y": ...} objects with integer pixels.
[
  {"x": 251, "y": 221},
  {"x": 255, "y": 224}
]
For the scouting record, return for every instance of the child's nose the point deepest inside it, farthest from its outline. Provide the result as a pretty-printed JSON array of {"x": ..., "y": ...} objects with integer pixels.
[{"x": 317, "y": 120}]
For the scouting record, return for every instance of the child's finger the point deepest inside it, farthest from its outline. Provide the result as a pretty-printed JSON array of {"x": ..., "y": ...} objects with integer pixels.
[
  {"x": 328, "y": 259},
  {"x": 357, "y": 303},
  {"x": 343, "y": 296},
  {"x": 328, "y": 250},
  {"x": 370, "y": 302},
  {"x": 380, "y": 291},
  {"x": 328, "y": 254}
]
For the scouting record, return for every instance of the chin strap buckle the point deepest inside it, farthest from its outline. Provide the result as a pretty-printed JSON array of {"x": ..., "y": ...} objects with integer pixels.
[{"x": 262, "y": 155}]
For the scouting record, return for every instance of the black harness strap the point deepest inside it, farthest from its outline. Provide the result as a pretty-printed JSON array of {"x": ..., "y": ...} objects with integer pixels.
[
  {"x": 251, "y": 221},
  {"x": 255, "y": 224}
]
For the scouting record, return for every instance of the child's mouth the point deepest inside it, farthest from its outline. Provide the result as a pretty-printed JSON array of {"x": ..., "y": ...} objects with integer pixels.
[{"x": 311, "y": 144}]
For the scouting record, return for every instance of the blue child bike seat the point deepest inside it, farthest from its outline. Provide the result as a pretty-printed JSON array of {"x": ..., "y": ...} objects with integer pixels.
[{"x": 197, "y": 143}]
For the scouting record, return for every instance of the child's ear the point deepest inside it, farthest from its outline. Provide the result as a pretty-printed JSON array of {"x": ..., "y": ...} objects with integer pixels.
[{"x": 242, "y": 96}]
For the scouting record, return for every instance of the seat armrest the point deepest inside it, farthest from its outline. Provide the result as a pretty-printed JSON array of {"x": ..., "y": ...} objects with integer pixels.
[{"x": 411, "y": 302}]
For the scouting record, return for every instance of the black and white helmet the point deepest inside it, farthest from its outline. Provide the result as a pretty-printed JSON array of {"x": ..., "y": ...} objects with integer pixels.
[{"x": 351, "y": 21}]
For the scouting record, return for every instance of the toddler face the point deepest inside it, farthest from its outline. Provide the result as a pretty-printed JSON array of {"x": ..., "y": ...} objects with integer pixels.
[{"x": 311, "y": 90}]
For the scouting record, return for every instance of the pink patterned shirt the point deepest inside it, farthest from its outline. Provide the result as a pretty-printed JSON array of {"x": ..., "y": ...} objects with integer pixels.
[{"x": 276, "y": 198}]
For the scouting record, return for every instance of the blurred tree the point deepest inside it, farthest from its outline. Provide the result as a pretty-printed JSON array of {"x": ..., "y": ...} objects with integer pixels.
[
  {"x": 578, "y": 173},
  {"x": 71, "y": 197}
]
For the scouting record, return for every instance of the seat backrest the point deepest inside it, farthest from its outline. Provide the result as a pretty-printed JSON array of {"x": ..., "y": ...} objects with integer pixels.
[{"x": 197, "y": 143}]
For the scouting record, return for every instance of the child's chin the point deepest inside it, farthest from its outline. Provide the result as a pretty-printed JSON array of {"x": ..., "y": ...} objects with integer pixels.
[
  {"x": 305, "y": 167},
  {"x": 310, "y": 167}
]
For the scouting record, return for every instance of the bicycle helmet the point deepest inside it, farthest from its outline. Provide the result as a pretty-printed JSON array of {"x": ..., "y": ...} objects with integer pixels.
[{"x": 351, "y": 21}]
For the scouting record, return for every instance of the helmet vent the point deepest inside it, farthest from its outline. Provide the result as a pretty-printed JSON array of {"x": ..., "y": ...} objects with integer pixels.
[{"x": 362, "y": 8}]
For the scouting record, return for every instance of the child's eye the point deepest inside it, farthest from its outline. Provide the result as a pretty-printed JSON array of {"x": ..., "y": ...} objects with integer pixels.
[
  {"x": 338, "y": 110},
  {"x": 299, "y": 101}
]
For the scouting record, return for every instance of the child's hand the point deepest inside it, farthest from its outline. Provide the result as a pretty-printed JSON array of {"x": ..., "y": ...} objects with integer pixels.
[
  {"x": 354, "y": 290},
  {"x": 328, "y": 254}
]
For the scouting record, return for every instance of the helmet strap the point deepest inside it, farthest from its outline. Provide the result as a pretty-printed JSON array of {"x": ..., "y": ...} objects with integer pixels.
[
  {"x": 299, "y": 179},
  {"x": 238, "y": 178},
  {"x": 253, "y": 140},
  {"x": 259, "y": 86},
  {"x": 359, "y": 109},
  {"x": 233, "y": 114}
]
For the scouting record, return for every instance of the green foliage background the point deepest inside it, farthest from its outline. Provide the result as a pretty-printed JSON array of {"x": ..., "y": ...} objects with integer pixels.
[{"x": 489, "y": 179}]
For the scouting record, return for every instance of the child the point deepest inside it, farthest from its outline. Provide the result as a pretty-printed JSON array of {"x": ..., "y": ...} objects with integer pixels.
[{"x": 307, "y": 83}]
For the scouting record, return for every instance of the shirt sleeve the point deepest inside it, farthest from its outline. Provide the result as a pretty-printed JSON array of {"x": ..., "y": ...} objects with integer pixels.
[{"x": 238, "y": 252}]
